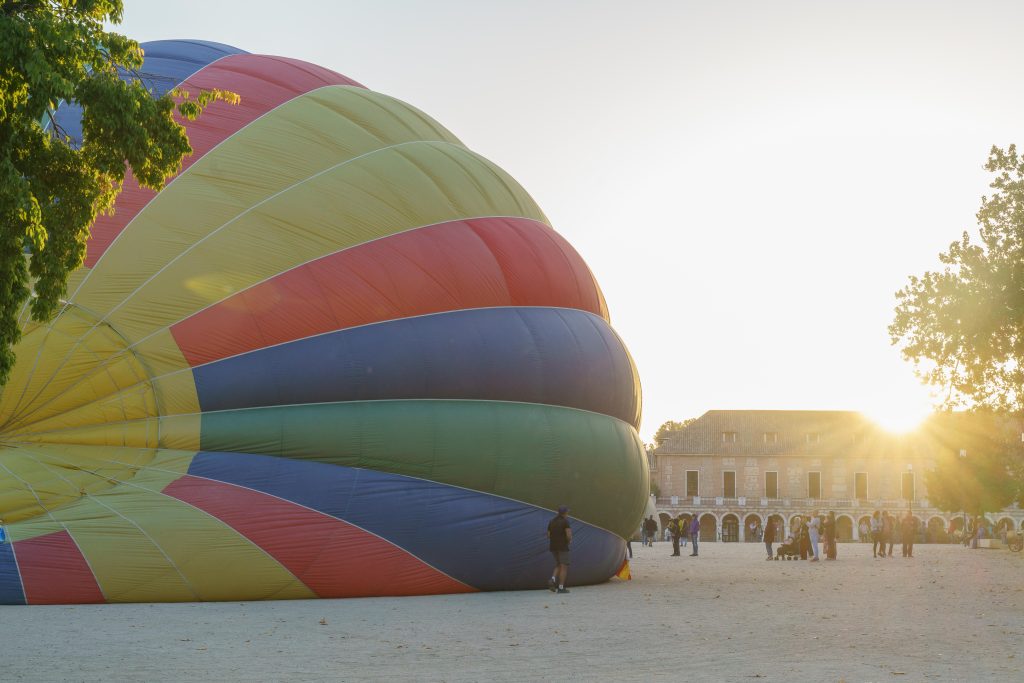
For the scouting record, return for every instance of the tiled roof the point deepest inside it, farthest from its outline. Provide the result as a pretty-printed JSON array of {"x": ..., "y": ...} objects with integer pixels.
[
  {"x": 819, "y": 432},
  {"x": 831, "y": 432}
]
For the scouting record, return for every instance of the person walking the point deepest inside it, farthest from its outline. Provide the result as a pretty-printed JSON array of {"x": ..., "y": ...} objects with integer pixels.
[
  {"x": 694, "y": 533},
  {"x": 907, "y": 533},
  {"x": 559, "y": 538},
  {"x": 814, "y": 534},
  {"x": 769, "y": 536},
  {"x": 650, "y": 531},
  {"x": 673, "y": 528},
  {"x": 830, "y": 536},
  {"x": 876, "y": 534}
]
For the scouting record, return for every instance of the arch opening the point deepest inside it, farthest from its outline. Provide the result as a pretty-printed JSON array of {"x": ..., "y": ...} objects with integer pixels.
[
  {"x": 708, "y": 528},
  {"x": 730, "y": 528},
  {"x": 753, "y": 528}
]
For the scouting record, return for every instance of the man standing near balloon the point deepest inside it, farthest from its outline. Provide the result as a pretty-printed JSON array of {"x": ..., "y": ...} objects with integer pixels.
[{"x": 559, "y": 537}]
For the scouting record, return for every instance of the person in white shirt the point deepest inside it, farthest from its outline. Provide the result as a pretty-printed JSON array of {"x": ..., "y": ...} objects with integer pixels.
[{"x": 813, "y": 531}]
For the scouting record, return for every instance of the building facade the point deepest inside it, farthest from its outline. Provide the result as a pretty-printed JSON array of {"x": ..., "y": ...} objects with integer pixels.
[{"x": 735, "y": 469}]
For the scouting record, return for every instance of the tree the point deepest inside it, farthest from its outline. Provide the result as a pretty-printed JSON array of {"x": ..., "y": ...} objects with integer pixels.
[
  {"x": 52, "y": 188},
  {"x": 669, "y": 429},
  {"x": 976, "y": 482},
  {"x": 963, "y": 326}
]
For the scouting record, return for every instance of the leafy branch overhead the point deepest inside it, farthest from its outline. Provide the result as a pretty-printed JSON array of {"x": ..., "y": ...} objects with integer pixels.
[
  {"x": 52, "y": 188},
  {"x": 963, "y": 326}
]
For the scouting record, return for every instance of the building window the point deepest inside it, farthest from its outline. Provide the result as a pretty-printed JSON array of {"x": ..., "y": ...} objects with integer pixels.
[
  {"x": 907, "y": 488},
  {"x": 771, "y": 484},
  {"x": 728, "y": 437},
  {"x": 771, "y": 437},
  {"x": 652, "y": 461},
  {"x": 729, "y": 484},
  {"x": 692, "y": 480},
  {"x": 860, "y": 485},
  {"x": 813, "y": 437},
  {"x": 814, "y": 485}
]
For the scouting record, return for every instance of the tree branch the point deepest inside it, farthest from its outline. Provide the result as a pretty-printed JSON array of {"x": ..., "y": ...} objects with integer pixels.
[{"x": 55, "y": 126}]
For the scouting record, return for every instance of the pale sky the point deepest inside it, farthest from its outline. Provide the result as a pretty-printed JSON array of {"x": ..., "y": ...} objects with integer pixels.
[{"x": 750, "y": 182}]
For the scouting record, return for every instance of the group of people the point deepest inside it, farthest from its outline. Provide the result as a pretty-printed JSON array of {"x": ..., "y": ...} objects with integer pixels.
[
  {"x": 807, "y": 534},
  {"x": 680, "y": 529},
  {"x": 810, "y": 536},
  {"x": 884, "y": 530},
  {"x": 977, "y": 528}
]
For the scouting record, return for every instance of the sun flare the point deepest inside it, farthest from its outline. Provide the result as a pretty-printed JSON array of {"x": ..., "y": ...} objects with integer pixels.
[{"x": 901, "y": 419}]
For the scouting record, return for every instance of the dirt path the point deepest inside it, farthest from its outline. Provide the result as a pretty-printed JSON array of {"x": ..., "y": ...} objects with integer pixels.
[{"x": 947, "y": 615}]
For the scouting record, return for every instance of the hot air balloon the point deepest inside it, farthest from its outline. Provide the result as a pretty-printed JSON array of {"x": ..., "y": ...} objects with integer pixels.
[{"x": 339, "y": 354}]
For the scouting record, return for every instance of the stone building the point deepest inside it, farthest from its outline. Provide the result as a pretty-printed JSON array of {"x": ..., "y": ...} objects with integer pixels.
[{"x": 737, "y": 468}]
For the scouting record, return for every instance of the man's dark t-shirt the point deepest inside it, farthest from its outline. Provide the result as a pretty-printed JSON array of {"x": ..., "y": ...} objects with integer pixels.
[{"x": 556, "y": 529}]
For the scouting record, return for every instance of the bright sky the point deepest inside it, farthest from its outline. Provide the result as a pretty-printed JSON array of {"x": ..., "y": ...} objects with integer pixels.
[{"x": 750, "y": 182}]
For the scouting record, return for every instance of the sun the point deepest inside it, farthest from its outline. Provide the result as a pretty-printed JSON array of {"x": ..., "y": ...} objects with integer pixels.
[{"x": 899, "y": 419}]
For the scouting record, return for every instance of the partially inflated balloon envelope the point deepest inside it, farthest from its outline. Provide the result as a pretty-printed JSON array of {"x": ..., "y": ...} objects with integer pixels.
[{"x": 339, "y": 354}]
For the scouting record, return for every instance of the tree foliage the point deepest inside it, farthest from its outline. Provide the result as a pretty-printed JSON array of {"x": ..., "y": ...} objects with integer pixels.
[
  {"x": 963, "y": 326},
  {"x": 669, "y": 429},
  {"x": 52, "y": 188},
  {"x": 977, "y": 479}
]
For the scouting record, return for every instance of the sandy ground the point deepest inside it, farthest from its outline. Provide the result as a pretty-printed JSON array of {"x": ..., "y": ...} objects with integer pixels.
[{"x": 949, "y": 614}]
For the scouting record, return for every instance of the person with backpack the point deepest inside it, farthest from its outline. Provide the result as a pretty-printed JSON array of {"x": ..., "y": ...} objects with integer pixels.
[{"x": 674, "y": 530}]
